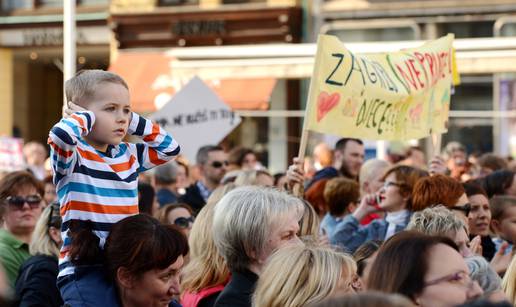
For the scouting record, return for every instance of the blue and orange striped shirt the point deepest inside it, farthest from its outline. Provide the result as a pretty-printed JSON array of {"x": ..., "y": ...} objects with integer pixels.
[{"x": 101, "y": 187}]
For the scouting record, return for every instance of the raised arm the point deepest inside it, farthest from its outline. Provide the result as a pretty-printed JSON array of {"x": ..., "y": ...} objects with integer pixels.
[
  {"x": 63, "y": 139},
  {"x": 158, "y": 146}
]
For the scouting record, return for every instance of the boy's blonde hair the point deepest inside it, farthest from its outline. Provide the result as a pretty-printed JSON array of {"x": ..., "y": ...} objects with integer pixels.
[
  {"x": 82, "y": 86},
  {"x": 300, "y": 275}
]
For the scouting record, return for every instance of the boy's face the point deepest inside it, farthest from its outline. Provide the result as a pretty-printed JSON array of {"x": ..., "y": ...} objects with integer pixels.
[
  {"x": 111, "y": 106},
  {"x": 506, "y": 226}
]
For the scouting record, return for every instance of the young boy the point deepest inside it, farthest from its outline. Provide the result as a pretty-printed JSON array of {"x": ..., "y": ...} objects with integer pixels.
[
  {"x": 95, "y": 173},
  {"x": 503, "y": 220}
]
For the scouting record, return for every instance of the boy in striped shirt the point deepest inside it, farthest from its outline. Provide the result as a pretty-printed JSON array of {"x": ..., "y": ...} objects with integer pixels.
[{"x": 96, "y": 174}]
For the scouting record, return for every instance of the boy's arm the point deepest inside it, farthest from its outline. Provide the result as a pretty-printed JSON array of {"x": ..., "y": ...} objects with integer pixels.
[
  {"x": 159, "y": 147},
  {"x": 63, "y": 139}
]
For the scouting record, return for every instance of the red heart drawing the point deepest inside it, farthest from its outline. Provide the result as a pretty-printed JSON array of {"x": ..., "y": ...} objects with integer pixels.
[{"x": 325, "y": 103}]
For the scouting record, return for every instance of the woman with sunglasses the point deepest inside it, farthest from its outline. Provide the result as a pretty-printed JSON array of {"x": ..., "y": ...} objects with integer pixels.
[
  {"x": 20, "y": 207},
  {"x": 36, "y": 284},
  {"x": 179, "y": 215},
  {"x": 394, "y": 198}
]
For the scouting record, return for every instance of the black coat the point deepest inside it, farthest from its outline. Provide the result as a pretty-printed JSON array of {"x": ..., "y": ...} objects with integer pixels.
[
  {"x": 36, "y": 283},
  {"x": 193, "y": 198},
  {"x": 239, "y": 291}
]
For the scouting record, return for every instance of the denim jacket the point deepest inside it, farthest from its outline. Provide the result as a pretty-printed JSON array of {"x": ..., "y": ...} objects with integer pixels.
[{"x": 349, "y": 234}]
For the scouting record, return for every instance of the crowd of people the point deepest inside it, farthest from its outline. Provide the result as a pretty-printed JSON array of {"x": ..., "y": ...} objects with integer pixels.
[{"x": 105, "y": 222}]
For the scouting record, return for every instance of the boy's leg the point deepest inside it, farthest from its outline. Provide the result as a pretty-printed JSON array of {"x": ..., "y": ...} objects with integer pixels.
[{"x": 88, "y": 287}]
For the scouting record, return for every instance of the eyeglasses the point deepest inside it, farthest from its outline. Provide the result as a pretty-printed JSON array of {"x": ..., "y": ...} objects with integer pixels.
[
  {"x": 460, "y": 278},
  {"x": 184, "y": 222},
  {"x": 17, "y": 202},
  {"x": 464, "y": 208},
  {"x": 219, "y": 164},
  {"x": 392, "y": 184}
]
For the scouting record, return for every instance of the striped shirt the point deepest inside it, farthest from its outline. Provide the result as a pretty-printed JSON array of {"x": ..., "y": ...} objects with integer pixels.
[{"x": 101, "y": 187}]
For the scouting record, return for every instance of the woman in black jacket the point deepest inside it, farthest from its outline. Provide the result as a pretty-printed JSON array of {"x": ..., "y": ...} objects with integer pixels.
[{"x": 36, "y": 283}]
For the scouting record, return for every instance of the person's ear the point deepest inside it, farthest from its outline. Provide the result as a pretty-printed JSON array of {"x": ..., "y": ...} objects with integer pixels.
[
  {"x": 125, "y": 278},
  {"x": 352, "y": 207},
  {"x": 55, "y": 235},
  {"x": 495, "y": 225}
]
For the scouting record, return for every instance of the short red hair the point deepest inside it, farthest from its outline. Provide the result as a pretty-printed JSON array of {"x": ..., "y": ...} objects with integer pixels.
[{"x": 436, "y": 190}]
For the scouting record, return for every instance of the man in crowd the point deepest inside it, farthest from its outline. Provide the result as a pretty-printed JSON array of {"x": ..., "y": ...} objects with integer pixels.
[
  {"x": 165, "y": 180},
  {"x": 348, "y": 158},
  {"x": 212, "y": 162}
]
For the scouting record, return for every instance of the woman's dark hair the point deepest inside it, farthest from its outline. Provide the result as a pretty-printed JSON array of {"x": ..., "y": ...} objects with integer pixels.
[
  {"x": 140, "y": 243},
  {"x": 277, "y": 177},
  {"x": 162, "y": 214},
  {"x": 364, "y": 252},
  {"x": 473, "y": 188},
  {"x": 496, "y": 183},
  {"x": 237, "y": 155},
  {"x": 146, "y": 195},
  {"x": 402, "y": 263}
]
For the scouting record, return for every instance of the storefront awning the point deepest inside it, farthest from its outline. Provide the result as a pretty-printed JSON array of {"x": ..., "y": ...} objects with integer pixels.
[{"x": 152, "y": 82}]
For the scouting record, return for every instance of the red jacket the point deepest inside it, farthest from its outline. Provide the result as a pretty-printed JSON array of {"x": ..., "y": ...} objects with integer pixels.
[{"x": 193, "y": 299}]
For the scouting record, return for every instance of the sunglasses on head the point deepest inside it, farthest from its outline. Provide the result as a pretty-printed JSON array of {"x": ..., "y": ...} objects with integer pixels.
[
  {"x": 184, "y": 222},
  {"x": 219, "y": 164},
  {"x": 464, "y": 208},
  {"x": 18, "y": 202}
]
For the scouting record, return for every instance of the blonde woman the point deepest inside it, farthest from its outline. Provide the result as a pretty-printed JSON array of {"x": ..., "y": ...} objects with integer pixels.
[
  {"x": 301, "y": 275},
  {"x": 254, "y": 177},
  {"x": 205, "y": 276},
  {"x": 509, "y": 282},
  {"x": 36, "y": 284}
]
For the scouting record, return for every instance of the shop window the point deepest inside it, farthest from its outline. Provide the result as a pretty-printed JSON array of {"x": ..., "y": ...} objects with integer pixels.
[
  {"x": 373, "y": 31},
  {"x": 373, "y": 35},
  {"x": 9, "y": 5},
  {"x": 468, "y": 29},
  {"x": 49, "y": 3},
  {"x": 475, "y": 93}
]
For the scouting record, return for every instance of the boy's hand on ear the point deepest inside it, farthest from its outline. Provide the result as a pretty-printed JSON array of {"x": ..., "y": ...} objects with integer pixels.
[{"x": 72, "y": 108}]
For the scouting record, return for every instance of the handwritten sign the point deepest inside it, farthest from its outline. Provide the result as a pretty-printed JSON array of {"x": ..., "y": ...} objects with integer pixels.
[
  {"x": 11, "y": 154},
  {"x": 196, "y": 116},
  {"x": 385, "y": 96}
]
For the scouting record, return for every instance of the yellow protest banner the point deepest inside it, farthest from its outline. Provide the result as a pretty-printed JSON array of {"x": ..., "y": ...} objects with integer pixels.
[{"x": 385, "y": 96}]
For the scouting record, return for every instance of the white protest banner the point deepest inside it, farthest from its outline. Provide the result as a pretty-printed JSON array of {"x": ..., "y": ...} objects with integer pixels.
[
  {"x": 11, "y": 154},
  {"x": 195, "y": 117}
]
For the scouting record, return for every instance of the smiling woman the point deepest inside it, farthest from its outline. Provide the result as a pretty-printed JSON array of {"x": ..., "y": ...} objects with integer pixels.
[{"x": 146, "y": 265}]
